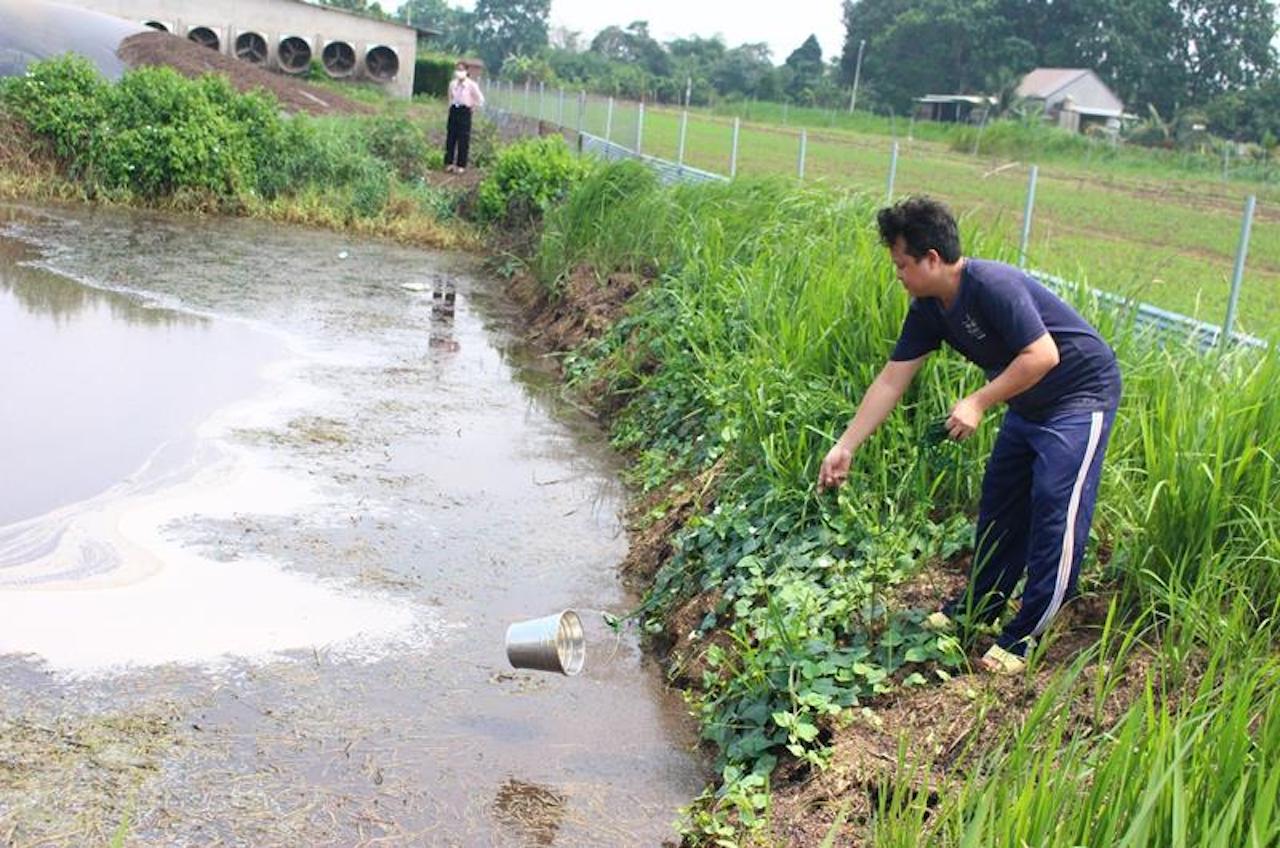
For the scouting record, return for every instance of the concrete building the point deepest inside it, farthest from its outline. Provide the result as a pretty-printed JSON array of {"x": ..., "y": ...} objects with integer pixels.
[
  {"x": 1073, "y": 97},
  {"x": 284, "y": 35}
]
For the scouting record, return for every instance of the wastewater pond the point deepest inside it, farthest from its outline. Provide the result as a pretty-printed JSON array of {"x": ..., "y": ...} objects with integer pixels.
[{"x": 271, "y": 499}]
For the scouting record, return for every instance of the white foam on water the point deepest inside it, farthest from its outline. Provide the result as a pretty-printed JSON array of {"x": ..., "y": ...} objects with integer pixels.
[{"x": 110, "y": 586}]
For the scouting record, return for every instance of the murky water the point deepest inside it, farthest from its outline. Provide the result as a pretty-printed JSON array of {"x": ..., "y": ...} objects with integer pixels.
[{"x": 274, "y": 505}]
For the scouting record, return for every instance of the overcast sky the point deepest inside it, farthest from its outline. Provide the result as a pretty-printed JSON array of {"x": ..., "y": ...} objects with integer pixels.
[{"x": 783, "y": 26}]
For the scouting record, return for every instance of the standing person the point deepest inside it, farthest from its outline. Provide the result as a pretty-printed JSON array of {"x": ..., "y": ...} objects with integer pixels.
[
  {"x": 1061, "y": 384},
  {"x": 464, "y": 97}
]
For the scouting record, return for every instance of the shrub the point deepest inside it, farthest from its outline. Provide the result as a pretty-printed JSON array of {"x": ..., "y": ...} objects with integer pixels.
[
  {"x": 431, "y": 75},
  {"x": 484, "y": 142},
  {"x": 400, "y": 143},
  {"x": 163, "y": 133},
  {"x": 60, "y": 100},
  {"x": 527, "y": 179}
]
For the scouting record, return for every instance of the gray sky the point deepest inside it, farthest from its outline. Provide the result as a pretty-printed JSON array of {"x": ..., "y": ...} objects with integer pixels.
[{"x": 784, "y": 26}]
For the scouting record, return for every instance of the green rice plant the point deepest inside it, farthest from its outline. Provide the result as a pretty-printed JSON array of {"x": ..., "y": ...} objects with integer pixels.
[
  {"x": 1192, "y": 766},
  {"x": 622, "y": 210}
]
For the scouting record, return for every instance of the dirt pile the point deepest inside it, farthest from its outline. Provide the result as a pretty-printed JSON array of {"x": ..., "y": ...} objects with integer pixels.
[{"x": 192, "y": 60}]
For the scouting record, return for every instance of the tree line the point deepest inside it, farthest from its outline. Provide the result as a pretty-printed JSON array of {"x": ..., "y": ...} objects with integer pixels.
[{"x": 1195, "y": 61}]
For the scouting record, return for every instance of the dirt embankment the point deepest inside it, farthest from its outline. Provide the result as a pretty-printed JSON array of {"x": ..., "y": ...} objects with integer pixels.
[{"x": 191, "y": 60}]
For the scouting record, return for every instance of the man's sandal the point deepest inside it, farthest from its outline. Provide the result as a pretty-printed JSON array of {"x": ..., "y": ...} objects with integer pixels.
[{"x": 999, "y": 661}]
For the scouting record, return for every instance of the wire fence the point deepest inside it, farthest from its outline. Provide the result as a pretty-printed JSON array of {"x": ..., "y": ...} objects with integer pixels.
[{"x": 690, "y": 147}]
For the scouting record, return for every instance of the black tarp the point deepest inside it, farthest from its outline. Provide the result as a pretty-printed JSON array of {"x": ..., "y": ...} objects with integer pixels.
[{"x": 33, "y": 29}]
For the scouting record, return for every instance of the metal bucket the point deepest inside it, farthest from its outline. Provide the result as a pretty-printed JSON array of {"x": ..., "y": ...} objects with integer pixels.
[{"x": 552, "y": 643}]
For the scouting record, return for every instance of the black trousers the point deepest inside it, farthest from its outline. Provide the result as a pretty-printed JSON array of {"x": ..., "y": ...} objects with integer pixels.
[{"x": 457, "y": 136}]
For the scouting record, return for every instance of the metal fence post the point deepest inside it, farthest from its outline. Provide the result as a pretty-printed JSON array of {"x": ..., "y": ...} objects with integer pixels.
[
  {"x": 527, "y": 107},
  {"x": 893, "y": 173},
  {"x": 684, "y": 127},
  {"x": 733, "y": 153},
  {"x": 1027, "y": 212},
  {"x": 1237, "y": 276},
  {"x": 560, "y": 112},
  {"x": 582, "y": 109},
  {"x": 608, "y": 121},
  {"x": 640, "y": 129},
  {"x": 542, "y": 99},
  {"x": 804, "y": 142},
  {"x": 977, "y": 138}
]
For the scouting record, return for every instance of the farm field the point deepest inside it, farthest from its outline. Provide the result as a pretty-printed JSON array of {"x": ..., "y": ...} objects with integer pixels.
[{"x": 1166, "y": 239}]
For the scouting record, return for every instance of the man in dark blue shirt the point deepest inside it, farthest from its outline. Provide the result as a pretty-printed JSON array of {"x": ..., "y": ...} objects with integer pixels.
[{"x": 1061, "y": 384}]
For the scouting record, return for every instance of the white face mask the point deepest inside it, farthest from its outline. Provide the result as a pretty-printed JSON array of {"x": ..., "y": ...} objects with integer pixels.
[{"x": 459, "y": 74}]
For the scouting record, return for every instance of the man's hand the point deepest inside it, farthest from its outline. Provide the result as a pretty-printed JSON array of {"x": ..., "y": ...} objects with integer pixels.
[
  {"x": 835, "y": 468},
  {"x": 965, "y": 417}
]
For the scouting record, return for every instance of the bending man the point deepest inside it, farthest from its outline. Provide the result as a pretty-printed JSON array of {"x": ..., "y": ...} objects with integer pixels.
[{"x": 1061, "y": 384}]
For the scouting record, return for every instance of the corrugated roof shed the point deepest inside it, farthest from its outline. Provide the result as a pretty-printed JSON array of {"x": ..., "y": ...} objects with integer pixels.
[{"x": 1045, "y": 82}]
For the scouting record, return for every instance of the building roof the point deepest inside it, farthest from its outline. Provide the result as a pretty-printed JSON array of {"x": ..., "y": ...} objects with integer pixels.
[
  {"x": 975, "y": 99},
  {"x": 363, "y": 17},
  {"x": 1096, "y": 111},
  {"x": 1045, "y": 82}
]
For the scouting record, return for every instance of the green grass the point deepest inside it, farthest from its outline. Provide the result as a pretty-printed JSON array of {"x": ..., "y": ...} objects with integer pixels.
[
  {"x": 1133, "y": 223},
  {"x": 1199, "y": 769},
  {"x": 773, "y": 308}
]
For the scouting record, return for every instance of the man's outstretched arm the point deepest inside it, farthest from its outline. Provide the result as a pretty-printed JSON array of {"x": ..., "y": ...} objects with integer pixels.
[{"x": 881, "y": 397}]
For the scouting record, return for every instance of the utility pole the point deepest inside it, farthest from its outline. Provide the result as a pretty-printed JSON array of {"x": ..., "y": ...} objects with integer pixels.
[{"x": 857, "y": 74}]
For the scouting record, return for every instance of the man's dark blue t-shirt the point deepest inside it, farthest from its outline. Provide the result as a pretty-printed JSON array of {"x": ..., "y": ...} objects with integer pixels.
[{"x": 999, "y": 311}]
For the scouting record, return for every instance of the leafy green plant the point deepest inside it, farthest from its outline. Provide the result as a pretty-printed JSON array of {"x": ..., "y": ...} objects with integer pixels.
[
  {"x": 61, "y": 99},
  {"x": 400, "y": 143},
  {"x": 527, "y": 178}
]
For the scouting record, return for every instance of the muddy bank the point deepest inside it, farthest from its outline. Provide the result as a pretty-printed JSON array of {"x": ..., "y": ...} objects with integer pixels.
[{"x": 416, "y": 459}]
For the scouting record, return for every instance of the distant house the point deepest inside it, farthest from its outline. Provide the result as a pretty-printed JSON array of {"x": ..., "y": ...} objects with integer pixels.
[
  {"x": 1074, "y": 98},
  {"x": 954, "y": 108}
]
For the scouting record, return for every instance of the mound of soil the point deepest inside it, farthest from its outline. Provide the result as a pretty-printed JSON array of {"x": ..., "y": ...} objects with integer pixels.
[{"x": 192, "y": 60}]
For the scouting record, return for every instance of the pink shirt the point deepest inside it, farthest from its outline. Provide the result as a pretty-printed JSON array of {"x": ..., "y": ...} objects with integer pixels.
[{"x": 465, "y": 92}]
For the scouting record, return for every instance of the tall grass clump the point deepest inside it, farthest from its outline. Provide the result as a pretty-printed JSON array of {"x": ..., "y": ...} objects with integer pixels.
[
  {"x": 1190, "y": 765},
  {"x": 772, "y": 306},
  {"x": 625, "y": 213}
]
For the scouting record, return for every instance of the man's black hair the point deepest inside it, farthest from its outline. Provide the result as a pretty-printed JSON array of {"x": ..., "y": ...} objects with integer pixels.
[{"x": 923, "y": 224}]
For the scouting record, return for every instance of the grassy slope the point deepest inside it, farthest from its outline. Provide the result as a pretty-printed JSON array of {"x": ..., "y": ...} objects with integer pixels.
[{"x": 772, "y": 310}]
